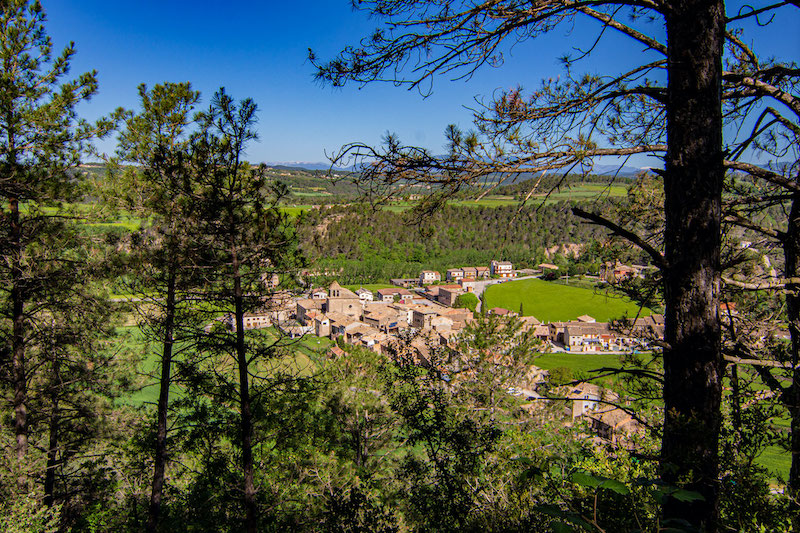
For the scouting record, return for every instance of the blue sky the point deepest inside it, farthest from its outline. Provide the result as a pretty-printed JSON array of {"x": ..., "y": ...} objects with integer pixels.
[{"x": 259, "y": 50}]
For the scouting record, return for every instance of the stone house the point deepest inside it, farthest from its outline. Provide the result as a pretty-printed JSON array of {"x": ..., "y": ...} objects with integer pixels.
[
  {"x": 345, "y": 301},
  {"x": 482, "y": 273},
  {"x": 304, "y": 307},
  {"x": 454, "y": 274},
  {"x": 387, "y": 295},
  {"x": 588, "y": 337},
  {"x": 448, "y": 296}
]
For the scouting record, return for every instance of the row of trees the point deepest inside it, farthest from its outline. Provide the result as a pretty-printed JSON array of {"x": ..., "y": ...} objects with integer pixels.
[
  {"x": 365, "y": 246},
  {"x": 214, "y": 230}
]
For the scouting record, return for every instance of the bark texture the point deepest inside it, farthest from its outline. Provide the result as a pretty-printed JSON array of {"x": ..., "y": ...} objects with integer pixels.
[
  {"x": 18, "y": 366},
  {"x": 160, "y": 459},
  {"x": 693, "y": 188},
  {"x": 246, "y": 427}
]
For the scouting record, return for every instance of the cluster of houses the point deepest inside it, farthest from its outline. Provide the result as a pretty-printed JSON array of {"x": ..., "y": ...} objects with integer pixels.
[
  {"x": 496, "y": 269},
  {"x": 616, "y": 272},
  {"x": 600, "y": 408},
  {"x": 587, "y": 335},
  {"x": 360, "y": 318},
  {"x": 374, "y": 320}
]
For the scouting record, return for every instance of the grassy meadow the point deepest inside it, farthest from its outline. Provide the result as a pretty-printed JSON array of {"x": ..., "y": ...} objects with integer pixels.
[
  {"x": 374, "y": 287},
  {"x": 300, "y": 360},
  {"x": 550, "y": 302},
  {"x": 577, "y": 362}
]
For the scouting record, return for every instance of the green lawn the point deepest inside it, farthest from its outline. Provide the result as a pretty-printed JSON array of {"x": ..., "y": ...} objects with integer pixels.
[
  {"x": 551, "y": 302},
  {"x": 311, "y": 193},
  {"x": 777, "y": 461},
  {"x": 581, "y": 365},
  {"x": 578, "y": 192},
  {"x": 370, "y": 286},
  {"x": 130, "y": 224},
  {"x": 577, "y": 362},
  {"x": 294, "y": 210}
]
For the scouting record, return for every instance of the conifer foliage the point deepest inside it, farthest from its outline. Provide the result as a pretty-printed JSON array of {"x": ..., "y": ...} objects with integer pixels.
[{"x": 41, "y": 140}]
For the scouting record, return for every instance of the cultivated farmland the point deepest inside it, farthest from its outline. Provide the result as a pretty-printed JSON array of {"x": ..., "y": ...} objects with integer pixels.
[{"x": 553, "y": 302}]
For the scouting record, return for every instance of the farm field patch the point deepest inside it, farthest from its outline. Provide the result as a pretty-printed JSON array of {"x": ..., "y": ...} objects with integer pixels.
[{"x": 551, "y": 302}]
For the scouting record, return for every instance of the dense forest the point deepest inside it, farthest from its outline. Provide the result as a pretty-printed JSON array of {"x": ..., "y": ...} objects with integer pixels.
[{"x": 365, "y": 245}]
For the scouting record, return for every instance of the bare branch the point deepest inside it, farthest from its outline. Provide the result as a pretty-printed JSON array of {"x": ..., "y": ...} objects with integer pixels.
[
  {"x": 786, "y": 283},
  {"x": 737, "y": 219},
  {"x": 627, "y": 30},
  {"x": 756, "y": 362},
  {"x": 757, "y": 82},
  {"x": 654, "y": 254},
  {"x": 767, "y": 175}
]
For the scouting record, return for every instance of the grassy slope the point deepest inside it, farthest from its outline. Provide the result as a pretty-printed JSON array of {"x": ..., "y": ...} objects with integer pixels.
[
  {"x": 295, "y": 210},
  {"x": 775, "y": 459},
  {"x": 301, "y": 363},
  {"x": 553, "y": 302},
  {"x": 577, "y": 362}
]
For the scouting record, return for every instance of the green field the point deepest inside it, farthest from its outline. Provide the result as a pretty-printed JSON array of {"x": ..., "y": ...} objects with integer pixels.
[
  {"x": 295, "y": 210},
  {"x": 311, "y": 193},
  {"x": 775, "y": 459},
  {"x": 301, "y": 362},
  {"x": 582, "y": 365},
  {"x": 578, "y": 192},
  {"x": 577, "y": 362},
  {"x": 370, "y": 286},
  {"x": 551, "y": 302}
]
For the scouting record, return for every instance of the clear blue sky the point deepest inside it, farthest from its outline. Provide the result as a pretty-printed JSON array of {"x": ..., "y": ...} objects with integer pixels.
[{"x": 258, "y": 49}]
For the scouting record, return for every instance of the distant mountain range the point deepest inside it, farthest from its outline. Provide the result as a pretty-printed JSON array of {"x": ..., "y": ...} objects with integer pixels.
[
  {"x": 611, "y": 170},
  {"x": 601, "y": 170},
  {"x": 305, "y": 165}
]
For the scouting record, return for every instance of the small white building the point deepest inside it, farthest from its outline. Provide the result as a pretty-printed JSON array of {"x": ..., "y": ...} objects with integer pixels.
[
  {"x": 585, "y": 398},
  {"x": 426, "y": 277},
  {"x": 502, "y": 269},
  {"x": 319, "y": 294},
  {"x": 365, "y": 295}
]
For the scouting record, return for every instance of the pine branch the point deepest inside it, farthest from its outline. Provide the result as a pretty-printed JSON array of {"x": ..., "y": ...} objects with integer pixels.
[{"x": 654, "y": 254}]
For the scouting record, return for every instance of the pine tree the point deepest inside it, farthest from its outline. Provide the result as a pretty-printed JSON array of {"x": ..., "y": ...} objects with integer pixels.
[
  {"x": 241, "y": 235},
  {"x": 156, "y": 142},
  {"x": 40, "y": 141}
]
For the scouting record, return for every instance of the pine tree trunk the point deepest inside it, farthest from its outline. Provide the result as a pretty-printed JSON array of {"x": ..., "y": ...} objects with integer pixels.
[
  {"x": 791, "y": 251},
  {"x": 160, "y": 460},
  {"x": 52, "y": 451},
  {"x": 244, "y": 401},
  {"x": 693, "y": 368},
  {"x": 19, "y": 374}
]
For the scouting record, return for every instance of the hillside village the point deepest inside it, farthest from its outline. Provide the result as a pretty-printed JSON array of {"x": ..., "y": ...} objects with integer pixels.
[
  {"x": 427, "y": 306},
  {"x": 424, "y": 310},
  {"x": 453, "y": 326}
]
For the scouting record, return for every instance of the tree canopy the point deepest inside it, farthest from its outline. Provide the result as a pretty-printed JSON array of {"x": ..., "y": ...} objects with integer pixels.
[{"x": 672, "y": 104}]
